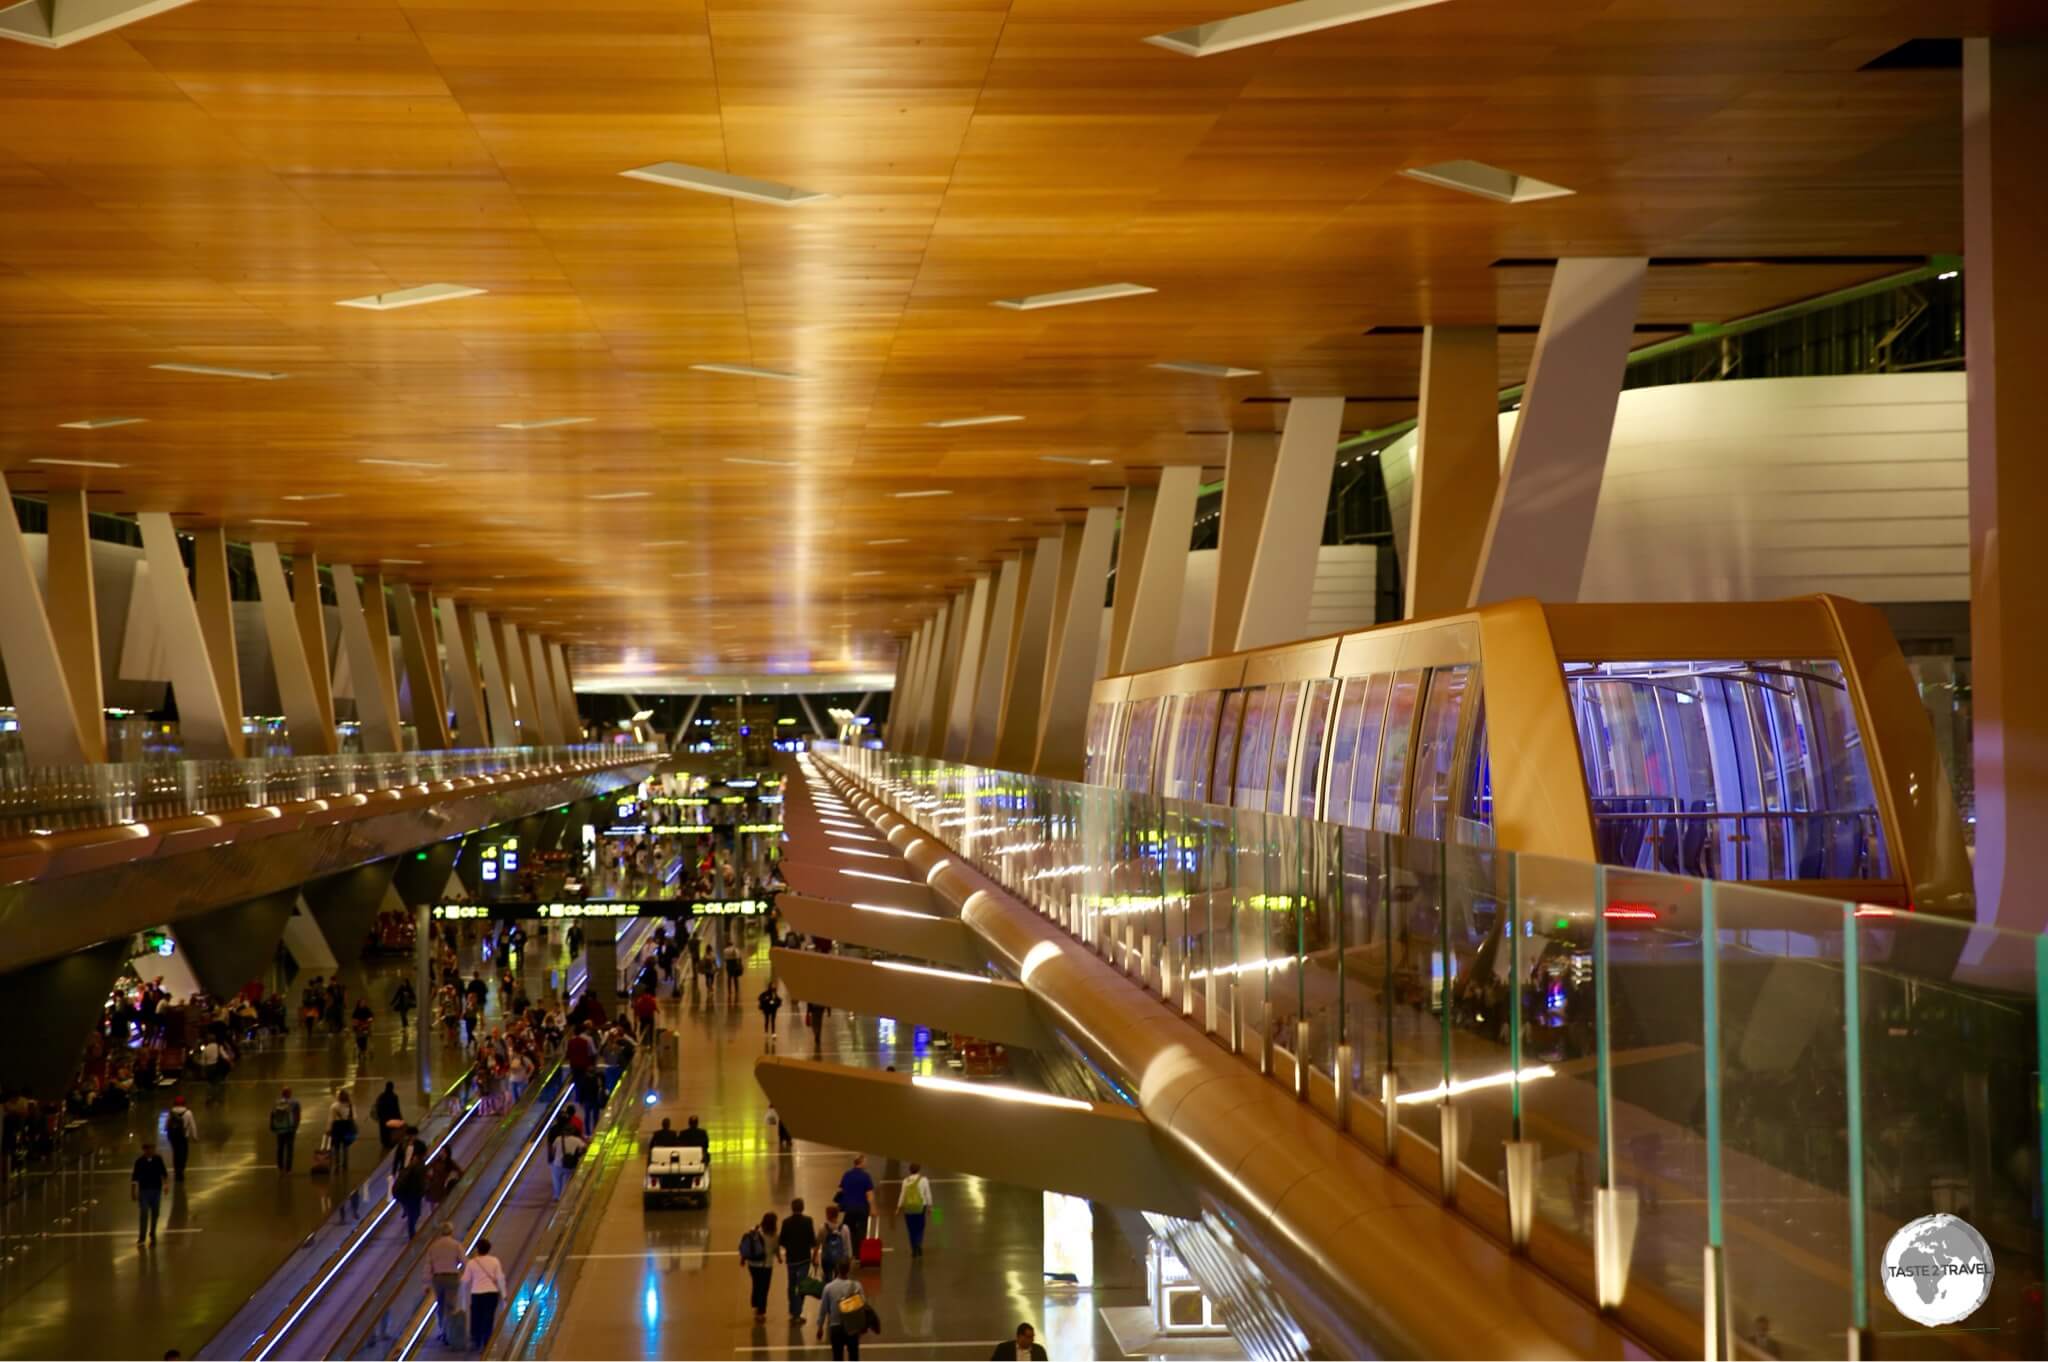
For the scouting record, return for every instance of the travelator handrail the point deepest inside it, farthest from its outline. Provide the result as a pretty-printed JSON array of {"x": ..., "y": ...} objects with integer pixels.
[
  {"x": 454, "y": 1106},
  {"x": 544, "y": 1287},
  {"x": 370, "y": 1324},
  {"x": 1624, "y": 1073}
]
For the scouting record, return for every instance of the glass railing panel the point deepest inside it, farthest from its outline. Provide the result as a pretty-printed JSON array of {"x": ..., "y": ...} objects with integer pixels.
[
  {"x": 1319, "y": 981},
  {"x": 1554, "y": 903},
  {"x": 1367, "y": 968},
  {"x": 1481, "y": 958},
  {"x": 1419, "y": 979},
  {"x": 1949, "y": 1039},
  {"x": 1783, "y": 1116}
]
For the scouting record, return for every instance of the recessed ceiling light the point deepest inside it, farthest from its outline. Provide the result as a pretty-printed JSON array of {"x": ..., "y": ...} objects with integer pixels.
[
  {"x": 766, "y": 463},
  {"x": 1095, "y": 294},
  {"x": 313, "y": 496},
  {"x": 1189, "y": 366},
  {"x": 665, "y": 544},
  {"x": 928, "y": 492},
  {"x": 1060, "y": 458},
  {"x": 410, "y": 297},
  {"x": 296, "y": 524},
  {"x": 747, "y": 371},
  {"x": 548, "y": 424},
  {"x": 401, "y": 463},
  {"x": 1488, "y": 182},
  {"x": 78, "y": 463},
  {"x": 400, "y": 562},
  {"x": 998, "y": 519},
  {"x": 219, "y": 371},
  {"x": 1281, "y": 21},
  {"x": 689, "y": 574},
  {"x": 959, "y": 421},
  {"x": 104, "y": 422},
  {"x": 679, "y": 176},
  {"x": 619, "y": 496},
  {"x": 878, "y": 543},
  {"x": 871, "y": 572},
  {"x": 423, "y": 546}
]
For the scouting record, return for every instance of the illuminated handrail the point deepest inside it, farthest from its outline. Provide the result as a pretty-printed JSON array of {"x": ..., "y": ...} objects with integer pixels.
[{"x": 1634, "y": 1073}]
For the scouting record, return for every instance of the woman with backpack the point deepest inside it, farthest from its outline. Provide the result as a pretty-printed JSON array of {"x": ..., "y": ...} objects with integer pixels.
[
  {"x": 341, "y": 1128},
  {"x": 844, "y": 1314},
  {"x": 565, "y": 1150},
  {"x": 914, "y": 1203},
  {"x": 757, "y": 1253}
]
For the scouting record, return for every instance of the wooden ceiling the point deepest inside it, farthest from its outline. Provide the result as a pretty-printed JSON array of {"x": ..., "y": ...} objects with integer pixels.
[{"x": 205, "y": 185}]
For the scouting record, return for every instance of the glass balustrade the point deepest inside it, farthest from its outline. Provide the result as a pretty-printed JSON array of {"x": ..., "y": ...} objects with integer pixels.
[
  {"x": 1753, "y": 1091},
  {"x": 50, "y": 799}
]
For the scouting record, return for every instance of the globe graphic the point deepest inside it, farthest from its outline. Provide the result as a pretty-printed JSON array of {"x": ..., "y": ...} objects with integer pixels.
[{"x": 1937, "y": 1270}]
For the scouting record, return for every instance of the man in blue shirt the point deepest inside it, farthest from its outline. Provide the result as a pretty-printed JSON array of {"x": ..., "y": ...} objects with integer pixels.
[
  {"x": 856, "y": 1190},
  {"x": 146, "y": 1186}
]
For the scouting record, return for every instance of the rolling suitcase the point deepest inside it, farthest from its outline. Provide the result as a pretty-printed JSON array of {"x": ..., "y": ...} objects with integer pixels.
[{"x": 871, "y": 1252}]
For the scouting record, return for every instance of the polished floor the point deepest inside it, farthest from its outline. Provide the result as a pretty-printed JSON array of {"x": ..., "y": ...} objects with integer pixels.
[{"x": 668, "y": 1283}]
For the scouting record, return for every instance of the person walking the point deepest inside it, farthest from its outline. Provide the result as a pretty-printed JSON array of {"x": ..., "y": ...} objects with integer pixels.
[
  {"x": 734, "y": 967},
  {"x": 844, "y": 1315},
  {"x": 814, "y": 1014},
  {"x": 835, "y": 1244},
  {"x": 798, "y": 1244},
  {"x": 361, "y": 1021},
  {"x": 770, "y": 1002},
  {"x": 483, "y": 1285},
  {"x": 565, "y": 1150},
  {"x": 757, "y": 1253},
  {"x": 284, "y": 1124},
  {"x": 856, "y": 1198},
  {"x": 389, "y": 1115},
  {"x": 341, "y": 1128},
  {"x": 181, "y": 1128},
  {"x": 404, "y": 1001},
  {"x": 146, "y": 1189},
  {"x": 1025, "y": 1347},
  {"x": 443, "y": 1266},
  {"x": 914, "y": 1203},
  {"x": 409, "y": 1189}
]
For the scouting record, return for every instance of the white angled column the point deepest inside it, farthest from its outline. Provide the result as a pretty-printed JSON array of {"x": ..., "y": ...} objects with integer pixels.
[
  {"x": 465, "y": 684},
  {"x": 997, "y": 650},
  {"x": 565, "y": 692},
  {"x": 309, "y": 717},
  {"x": 377, "y": 620},
  {"x": 949, "y": 673},
  {"x": 311, "y": 613},
  {"x": 1062, "y": 730},
  {"x": 376, "y": 714},
  {"x": 1542, "y": 520},
  {"x": 50, "y": 731},
  {"x": 215, "y": 603},
  {"x": 518, "y": 693},
  {"x": 903, "y": 705},
  {"x": 928, "y": 688},
  {"x": 1457, "y": 466},
  {"x": 1247, "y": 482},
  {"x": 1024, "y": 688},
  {"x": 546, "y": 708},
  {"x": 960, "y": 709},
  {"x": 1152, "y": 567},
  {"x": 205, "y": 728},
  {"x": 422, "y": 666},
  {"x": 504, "y": 731},
  {"x": 1283, "y": 570},
  {"x": 74, "y": 614}
]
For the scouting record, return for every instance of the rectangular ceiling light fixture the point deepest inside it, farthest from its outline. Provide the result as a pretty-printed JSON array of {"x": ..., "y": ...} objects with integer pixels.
[
  {"x": 1189, "y": 366},
  {"x": 878, "y": 543},
  {"x": 658, "y": 544},
  {"x": 314, "y": 496},
  {"x": 958, "y": 421},
  {"x": 220, "y": 371},
  {"x": 747, "y": 371},
  {"x": 411, "y": 297},
  {"x": 764, "y": 463},
  {"x": 1488, "y": 182},
  {"x": 400, "y": 562},
  {"x": 1061, "y": 458},
  {"x": 78, "y": 463},
  {"x": 1281, "y": 21},
  {"x": 401, "y": 463},
  {"x": 104, "y": 422},
  {"x": 295, "y": 524},
  {"x": 619, "y": 496},
  {"x": 679, "y": 176},
  {"x": 928, "y": 492},
  {"x": 871, "y": 572},
  {"x": 549, "y": 424},
  {"x": 1096, "y": 294}
]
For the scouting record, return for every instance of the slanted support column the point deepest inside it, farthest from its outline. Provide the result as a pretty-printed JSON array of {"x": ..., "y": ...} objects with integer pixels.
[
  {"x": 512, "y": 660},
  {"x": 1247, "y": 483},
  {"x": 949, "y": 673},
  {"x": 1542, "y": 520},
  {"x": 903, "y": 709},
  {"x": 967, "y": 672},
  {"x": 1023, "y": 702},
  {"x": 1457, "y": 467},
  {"x": 934, "y": 670},
  {"x": 546, "y": 711},
  {"x": 504, "y": 733},
  {"x": 376, "y": 715},
  {"x": 1062, "y": 731},
  {"x": 377, "y": 619},
  {"x": 2005, "y": 278},
  {"x": 1152, "y": 567},
  {"x": 308, "y": 714},
  {"x": 465, "y": 690},
  {"x": 48, "y": 1010},
  {"x": 997, "y": 650},
  {"x": 1283, "y": 571},
  {"x": 230, "y": 946},
  {"x": 217, "y": 617},
  {"x": 311, "y": 613},
  {"x": 74, "y": 617},
  {"x": 565, "y": 692},
  {"x": 205, "y": 728},
  {"x": 422, "y": 666},
  {"x": 346, "y": 905}
]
